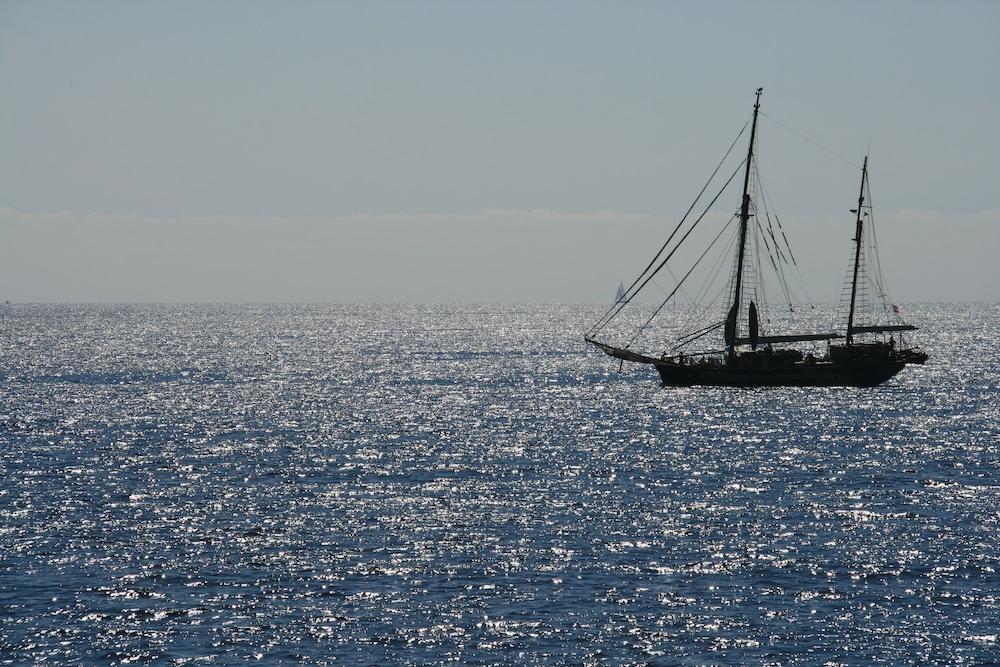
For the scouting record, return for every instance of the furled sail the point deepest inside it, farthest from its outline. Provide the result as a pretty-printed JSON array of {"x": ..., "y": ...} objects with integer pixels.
[
  {"x": 790, "y": 338},
  {"x": 882, "y": 328},
  {"x": 754, "y": 325},
  {"x": 730, "y": 333}
]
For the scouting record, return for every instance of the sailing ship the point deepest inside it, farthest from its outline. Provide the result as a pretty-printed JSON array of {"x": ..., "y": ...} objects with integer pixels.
[{"x": 869, "y": 350}]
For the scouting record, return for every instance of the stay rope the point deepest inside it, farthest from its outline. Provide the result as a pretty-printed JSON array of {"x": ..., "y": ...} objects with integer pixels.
[
  {"x": 693, "y": 267},
  {"x": 632, "y": 291},
  {"x": 603, "y": 322}
]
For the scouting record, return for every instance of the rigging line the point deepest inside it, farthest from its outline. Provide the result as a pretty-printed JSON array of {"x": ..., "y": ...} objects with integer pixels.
[
  {"x": 699, "y": 334},
  {"x": 699, "y": 313},
  {"x": 657, "y": 311},
  {"x": 764, "y": 303},
  {"x": 844, "y": 298},
  {"x": 770, "y": 227},
  {"x": 683, "y": 291},
  {"x": 767, "y": 213},
  {"x": 720, "y": 263},
  {"x": 767, "y": 216},
  {"x": 795, "y": 265},
  {"x": 788, "y": 247},
  {"x": 716, "y": 268},
  {"x": 601, "y": 324},
  {"x": 724, "y": 289},
  {"x": 679, "y": 225},
  {"x": 764, "y": 197},
  {"x": 758, "y": 233},
  {"x": 812, "y": 141},
  {"x": 770, "y": 256},
  {"x": 758, "y": 287},
  {"x": 779, "y": 267},
  {"x": 871, "y": 217},
  {"x": 767, "y": 245},
  {"x": 779, "y": 263},
  {"x": 787, "y": 244},
  {"x": 762, "y": 300},
  {"x": 702, "y": 307},
  {"x": 872, "y": 249},
  {"x": 662, "y": 289}
]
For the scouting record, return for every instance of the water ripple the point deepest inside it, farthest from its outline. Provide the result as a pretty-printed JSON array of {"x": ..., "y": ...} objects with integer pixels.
[{"x": 441, "y": 484}]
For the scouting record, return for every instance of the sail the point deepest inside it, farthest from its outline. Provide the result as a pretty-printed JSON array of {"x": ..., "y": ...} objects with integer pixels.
[
  {"x": 754, "y": 326},
  {"x": 620, "y": 296},
  {"x": 730, "y": 333}
]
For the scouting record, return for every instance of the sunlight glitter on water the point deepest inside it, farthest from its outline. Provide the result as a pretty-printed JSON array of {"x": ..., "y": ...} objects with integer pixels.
[{"x": 471, "y": 484}]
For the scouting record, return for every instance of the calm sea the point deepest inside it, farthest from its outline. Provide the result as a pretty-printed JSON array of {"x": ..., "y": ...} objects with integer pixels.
[{"x": 470, "y": 484}]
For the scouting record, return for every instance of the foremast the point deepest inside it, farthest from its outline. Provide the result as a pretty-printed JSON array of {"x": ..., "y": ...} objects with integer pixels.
[
  {"x": 733, "y": 316},
  {"x": 858, "y": 229}
]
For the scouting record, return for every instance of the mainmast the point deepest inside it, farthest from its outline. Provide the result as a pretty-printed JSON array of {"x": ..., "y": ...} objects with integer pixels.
[
  {"x": 857, "y": 253},
  {"x": 734, "y": 312}
]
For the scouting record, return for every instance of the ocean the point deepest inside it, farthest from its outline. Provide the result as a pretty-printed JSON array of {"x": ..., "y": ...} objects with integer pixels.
[{"x": 373, "y": 485}]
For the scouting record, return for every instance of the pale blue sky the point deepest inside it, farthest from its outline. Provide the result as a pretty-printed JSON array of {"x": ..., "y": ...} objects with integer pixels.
[{"x": 313, "y": 114}]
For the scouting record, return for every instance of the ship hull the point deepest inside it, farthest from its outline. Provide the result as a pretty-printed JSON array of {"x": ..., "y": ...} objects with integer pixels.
[{"x": 820, "y": 374}]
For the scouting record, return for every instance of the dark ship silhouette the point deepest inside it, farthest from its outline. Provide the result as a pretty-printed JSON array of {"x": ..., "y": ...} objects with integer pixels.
[{"x": 866, "y": 353}]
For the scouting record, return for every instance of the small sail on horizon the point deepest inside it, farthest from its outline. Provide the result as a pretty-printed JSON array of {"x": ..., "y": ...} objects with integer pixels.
[{"x": 620, "y": 295}]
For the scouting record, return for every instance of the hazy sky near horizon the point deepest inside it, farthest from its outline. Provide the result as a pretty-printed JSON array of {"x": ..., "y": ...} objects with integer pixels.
[{"x": 478, "y": 151}]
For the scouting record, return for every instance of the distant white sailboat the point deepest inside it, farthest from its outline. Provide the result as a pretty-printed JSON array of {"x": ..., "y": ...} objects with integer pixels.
[{"x": 620, "y": 296}]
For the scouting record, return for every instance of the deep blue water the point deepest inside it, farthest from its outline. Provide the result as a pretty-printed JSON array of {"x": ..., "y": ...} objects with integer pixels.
[{"x": 470, "y": 484}]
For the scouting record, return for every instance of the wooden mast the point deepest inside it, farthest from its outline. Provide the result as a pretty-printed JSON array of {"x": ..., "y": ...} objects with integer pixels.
[
  {"x": 734, "y": 313},
  {"x": 857, "y": 253}
]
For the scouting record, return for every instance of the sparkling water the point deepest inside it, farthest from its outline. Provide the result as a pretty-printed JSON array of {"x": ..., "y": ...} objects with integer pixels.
[{"x": 472, "y": 484}]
